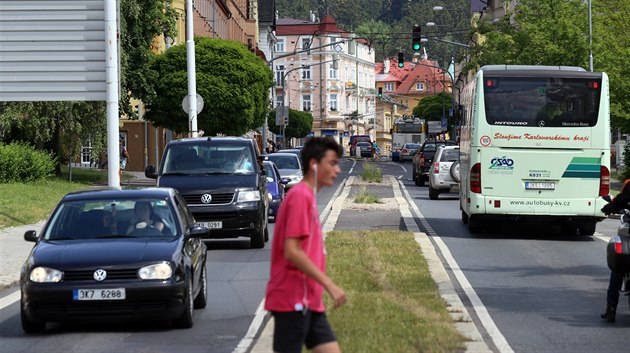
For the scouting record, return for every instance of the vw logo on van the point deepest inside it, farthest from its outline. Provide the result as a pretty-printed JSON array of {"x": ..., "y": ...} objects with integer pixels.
[
  {"x": 206, "y": 198},
  {"x": 100, "y": 275}
]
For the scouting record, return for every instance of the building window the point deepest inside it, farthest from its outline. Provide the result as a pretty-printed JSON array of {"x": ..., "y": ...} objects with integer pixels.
[
  {"x": 306, "y": 102},
  {"x": 279, "y": 75},
  {"x": 332, "y": 73},
  {"x": 306, "y": 73},
  {"x": 333, "y": 102},
  {"x": 389, "y": 87},
  {"x": 280, "y": 45},
  {"x": 419, "y": 86},
  {"x": 306, "y": 43}
]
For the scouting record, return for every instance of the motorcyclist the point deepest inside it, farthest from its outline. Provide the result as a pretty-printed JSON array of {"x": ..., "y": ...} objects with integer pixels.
[{"x": 621, "y": 201}]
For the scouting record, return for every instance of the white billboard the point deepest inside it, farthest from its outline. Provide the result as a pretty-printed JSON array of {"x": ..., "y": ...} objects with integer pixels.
[{"x": 52, "y": 50}]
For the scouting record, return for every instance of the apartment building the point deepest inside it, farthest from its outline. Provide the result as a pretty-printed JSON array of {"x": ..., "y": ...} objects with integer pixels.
[{"x": 310, "y": 81}]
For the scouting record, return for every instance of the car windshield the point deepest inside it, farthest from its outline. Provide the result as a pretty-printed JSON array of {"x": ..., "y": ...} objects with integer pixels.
[
  {"x": 208, "y": 159},
  {"x": 112, "y": 218},
  {"x": 285, "y": 162},
  {"x": 413, "y": 146},
  {"x": 450, "y": 155}
]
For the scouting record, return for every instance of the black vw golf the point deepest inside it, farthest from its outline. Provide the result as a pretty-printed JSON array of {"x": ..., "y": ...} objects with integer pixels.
[{"x": 115, "y": 255}]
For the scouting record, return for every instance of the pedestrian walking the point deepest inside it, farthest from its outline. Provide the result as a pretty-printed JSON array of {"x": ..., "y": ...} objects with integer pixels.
[
  {"x": 124, "y": 157},
  {"x": 298, "y": 259}
]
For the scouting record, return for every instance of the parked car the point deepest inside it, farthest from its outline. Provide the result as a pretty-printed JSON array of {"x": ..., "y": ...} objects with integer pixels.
[
  {"x": 275, "y": 187},
  {"x": 407, "y": 151},
  {"x": 354, "y": 139},
  {"x": 424, "y": 157},
  {"x": 364, "y": 149},
  {"x": 115, "y": 255},
  {"x": 289, "y": 166},
  {"x": 444, "y": 174},
  {"x": 222, "y": 182}
]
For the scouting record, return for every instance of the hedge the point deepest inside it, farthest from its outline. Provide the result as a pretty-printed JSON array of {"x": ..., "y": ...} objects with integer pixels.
[{"x": 22, "y": 163}]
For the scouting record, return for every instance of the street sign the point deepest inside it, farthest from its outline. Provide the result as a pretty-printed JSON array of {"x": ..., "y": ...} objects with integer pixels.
[
  {"x": 186, "y": 105},
  {"x": 435, "y": 126},
  {"x": 444, "y": 124}
]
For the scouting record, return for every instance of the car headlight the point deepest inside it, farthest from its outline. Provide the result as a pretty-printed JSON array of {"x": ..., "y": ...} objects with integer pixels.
[
  {"x": 269, "y": 196},
  {"x": 156, "y": 271},
  {"x": 45, "y": 275},
  {"x": 295, "y": 177},
  {"x": 248, "y": 196}
]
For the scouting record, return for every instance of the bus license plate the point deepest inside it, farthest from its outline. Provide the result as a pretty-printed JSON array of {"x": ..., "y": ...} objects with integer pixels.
[
  {"x": 540, "y": 185},
  {"x": 211, "y": 225},
  {"x": 99, "y": 294}
]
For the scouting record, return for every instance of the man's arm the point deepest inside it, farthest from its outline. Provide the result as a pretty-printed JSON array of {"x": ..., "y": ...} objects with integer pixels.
[{"x": 295, "y": 255}]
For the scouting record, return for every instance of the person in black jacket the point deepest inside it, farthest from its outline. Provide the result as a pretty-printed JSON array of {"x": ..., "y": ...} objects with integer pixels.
[{"x": 621, "y": 201}]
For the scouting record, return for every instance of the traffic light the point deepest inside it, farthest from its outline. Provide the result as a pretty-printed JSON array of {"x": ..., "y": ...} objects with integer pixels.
[
  {"x": 401, "y": 59},
  {"x": 380, "y": 92},
  {"x": 416, "y": 38}
]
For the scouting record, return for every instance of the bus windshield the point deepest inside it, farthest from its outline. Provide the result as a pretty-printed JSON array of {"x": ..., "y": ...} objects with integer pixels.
[{"x": 542, "y": 101}]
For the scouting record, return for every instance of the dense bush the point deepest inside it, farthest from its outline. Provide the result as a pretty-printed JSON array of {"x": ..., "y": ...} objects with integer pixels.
[{"x": 22, "y": 163}]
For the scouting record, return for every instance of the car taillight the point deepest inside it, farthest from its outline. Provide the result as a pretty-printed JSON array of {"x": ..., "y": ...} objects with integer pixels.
[
  {"x": 422, "y": 159},
  {"x": 475, "y": 178},
  {"x": 618, "y": 248},
  {"x": 436, "y": 167},
  {"x": 604, "y": 181}
]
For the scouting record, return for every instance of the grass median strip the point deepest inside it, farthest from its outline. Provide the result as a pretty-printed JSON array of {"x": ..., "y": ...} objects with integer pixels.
[{"x": 393, "y": 304}]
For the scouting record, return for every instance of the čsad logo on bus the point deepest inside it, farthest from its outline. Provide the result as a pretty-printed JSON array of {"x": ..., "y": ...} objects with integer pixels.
[{"x": 501, "y": 163}]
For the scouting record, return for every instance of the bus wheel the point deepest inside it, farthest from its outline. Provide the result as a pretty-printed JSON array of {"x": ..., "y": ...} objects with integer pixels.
[
  {"x": 464, "y": 217},
  {"x": 587, "y": 228},
  {"x": 568, "y": 229}
]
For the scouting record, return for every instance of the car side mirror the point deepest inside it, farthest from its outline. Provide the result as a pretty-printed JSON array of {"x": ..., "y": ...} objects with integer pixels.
[
  {"x": 30, "y": 235},
  {"x": 285, "y": 181},
  {"x": 196, "y": 232},
  {"x": 150, "y": 172}
]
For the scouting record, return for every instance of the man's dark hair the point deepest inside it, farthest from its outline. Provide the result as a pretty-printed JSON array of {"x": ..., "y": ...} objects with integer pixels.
[{"x": 316, "y": 148}]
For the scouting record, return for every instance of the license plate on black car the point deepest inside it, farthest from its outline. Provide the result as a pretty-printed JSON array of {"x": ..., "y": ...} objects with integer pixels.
[{"x": 99, "y": 294}]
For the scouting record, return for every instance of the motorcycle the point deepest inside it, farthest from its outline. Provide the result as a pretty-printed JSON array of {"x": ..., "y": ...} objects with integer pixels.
[{"x": 618, "y": 250}]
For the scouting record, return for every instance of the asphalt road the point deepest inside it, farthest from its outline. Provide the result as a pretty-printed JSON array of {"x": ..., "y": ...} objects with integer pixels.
[
  {"x": 544, "y": 291},
  {"x": 237, "y": 278}
]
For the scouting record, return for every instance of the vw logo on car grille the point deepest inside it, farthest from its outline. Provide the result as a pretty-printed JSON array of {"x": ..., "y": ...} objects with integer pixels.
[
  {"x": 206, "y": 198},
  {"x": 100, "y": 275}
]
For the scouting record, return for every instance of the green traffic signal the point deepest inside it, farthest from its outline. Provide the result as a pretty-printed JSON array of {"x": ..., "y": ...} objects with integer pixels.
[
  {"x": 380, "y": 91},
  {"x": 416, "y": 38},
  {"x": 401, "y": 59}
]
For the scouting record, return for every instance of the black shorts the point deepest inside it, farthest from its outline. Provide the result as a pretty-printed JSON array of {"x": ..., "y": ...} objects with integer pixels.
[{"x": 294, "y": 329}]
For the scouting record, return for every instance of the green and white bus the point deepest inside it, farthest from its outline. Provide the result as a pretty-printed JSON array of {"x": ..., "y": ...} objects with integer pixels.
[{"x": 535, "y": 146}]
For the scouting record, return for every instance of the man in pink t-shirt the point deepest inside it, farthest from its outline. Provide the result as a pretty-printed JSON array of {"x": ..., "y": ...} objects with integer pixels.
[{"x": 298, "y": 259}]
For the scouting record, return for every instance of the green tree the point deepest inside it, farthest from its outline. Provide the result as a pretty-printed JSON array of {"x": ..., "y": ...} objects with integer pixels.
[
  {"x": 233, "y": 82},
  {"x": 539, "y": 32},
  {"x": 611, "y": 50},
  {"x": 300, "y": 123},
  {"x": 141, "y": 22},
  {"x": 59, "y": 127},
  {"x": 433, "y": 107}
]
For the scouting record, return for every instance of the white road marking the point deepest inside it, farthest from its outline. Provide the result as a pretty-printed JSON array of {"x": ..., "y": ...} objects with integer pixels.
[
  {"x": 482, "y": 313},
  {"x": 352, "y": 168},
  {"x": 403, "y": 168},
  {"x": 9, "y": 299}
]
